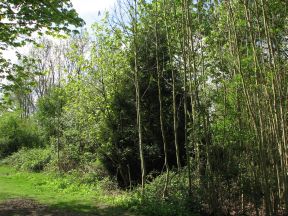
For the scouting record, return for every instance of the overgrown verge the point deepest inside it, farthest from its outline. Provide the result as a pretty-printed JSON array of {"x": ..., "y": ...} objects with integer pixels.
[
  {"x": 176, "y": 202},
  {"x": 92, "y": 183},
  {"x": 44, "y": 160},
  {"x": 75, "y": 190},
  {"x": 30, "y": 159},
  {"x": 17, "y": 132},
  {"x": 90, "y": 180}
]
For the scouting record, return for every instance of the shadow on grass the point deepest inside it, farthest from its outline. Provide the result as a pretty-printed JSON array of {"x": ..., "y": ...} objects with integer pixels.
[{"x": 73, "y": 208}]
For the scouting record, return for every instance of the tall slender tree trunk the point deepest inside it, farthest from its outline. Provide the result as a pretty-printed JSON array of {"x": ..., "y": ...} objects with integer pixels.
[
  {"x": 159, "y": 75},
  {"x": 175, "y": 118},
  {"x": 138, "y": 97},
  {"x": 184, "y": 53}
]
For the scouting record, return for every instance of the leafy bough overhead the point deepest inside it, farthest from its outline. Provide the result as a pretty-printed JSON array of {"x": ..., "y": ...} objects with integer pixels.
[{"x": 19, "y": 19}]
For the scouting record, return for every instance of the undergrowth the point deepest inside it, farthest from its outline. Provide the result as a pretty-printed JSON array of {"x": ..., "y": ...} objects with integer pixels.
[
  {"x": 91, "y": 182},
  {"x": 29, "y": 159}
]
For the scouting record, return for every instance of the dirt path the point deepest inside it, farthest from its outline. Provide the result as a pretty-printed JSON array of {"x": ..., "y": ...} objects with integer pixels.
[{"x": 28, "y": 207}]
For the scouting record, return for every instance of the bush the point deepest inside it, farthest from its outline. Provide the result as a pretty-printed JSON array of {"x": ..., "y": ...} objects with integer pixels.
[
  {"x": 17, "y": 132},
  {"x": 177, "y": 201},
  {"x": 34, "y": 160}
]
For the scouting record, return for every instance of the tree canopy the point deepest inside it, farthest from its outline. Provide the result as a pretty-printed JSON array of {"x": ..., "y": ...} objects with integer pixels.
[{"x": 19, "y": 19}]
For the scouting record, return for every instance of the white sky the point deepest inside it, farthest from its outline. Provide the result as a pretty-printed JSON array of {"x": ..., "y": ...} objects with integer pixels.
[{"x": 89, "y": 9}]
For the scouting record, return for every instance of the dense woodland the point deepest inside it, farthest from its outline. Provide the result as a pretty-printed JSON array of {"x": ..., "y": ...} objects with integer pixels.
[{"x": 186, "y": 100}]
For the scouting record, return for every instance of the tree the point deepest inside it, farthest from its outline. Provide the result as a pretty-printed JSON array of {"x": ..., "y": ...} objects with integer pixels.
[
  {"x": 19, "y": 19},
  {"x": 197, "y": 85},
  {"x": 138, "y": 93}
]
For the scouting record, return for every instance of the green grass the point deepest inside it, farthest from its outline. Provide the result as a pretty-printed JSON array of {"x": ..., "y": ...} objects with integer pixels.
[
  {"x": 57, "y": 192},
  {"x": 69, "y": 192}
]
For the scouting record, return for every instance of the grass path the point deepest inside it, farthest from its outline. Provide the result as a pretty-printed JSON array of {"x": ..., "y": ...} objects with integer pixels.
[{"x": 52, "y": 193}]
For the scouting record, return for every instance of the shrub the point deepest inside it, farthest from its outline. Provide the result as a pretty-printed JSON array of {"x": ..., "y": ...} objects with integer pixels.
[
  {"x": 177, "y": 201},
  {"x": 17, "y": 132},
  {"x": 33, "y": 160}
]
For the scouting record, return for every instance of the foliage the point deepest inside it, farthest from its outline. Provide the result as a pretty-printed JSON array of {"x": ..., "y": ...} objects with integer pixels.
[
  {"x": 49, "y": 111},
  {"x": 197, "y": 85},
  {"x": 16, "y": 132},
  {"x": 18, "y": 19},
  {"x": 34, "y": 160}
]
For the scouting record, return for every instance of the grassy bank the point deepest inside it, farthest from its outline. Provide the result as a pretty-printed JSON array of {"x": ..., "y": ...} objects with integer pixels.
[
  {"x": 57, "y": 192},
  {"x": 33, "y": 174}
]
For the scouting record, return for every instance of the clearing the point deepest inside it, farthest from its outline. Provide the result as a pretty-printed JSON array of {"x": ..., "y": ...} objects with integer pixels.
[{"x": 23, "y": 193}]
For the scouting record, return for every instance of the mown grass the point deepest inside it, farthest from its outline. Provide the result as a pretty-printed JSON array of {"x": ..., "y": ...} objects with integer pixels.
[{"x": 57, "y": 192}]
